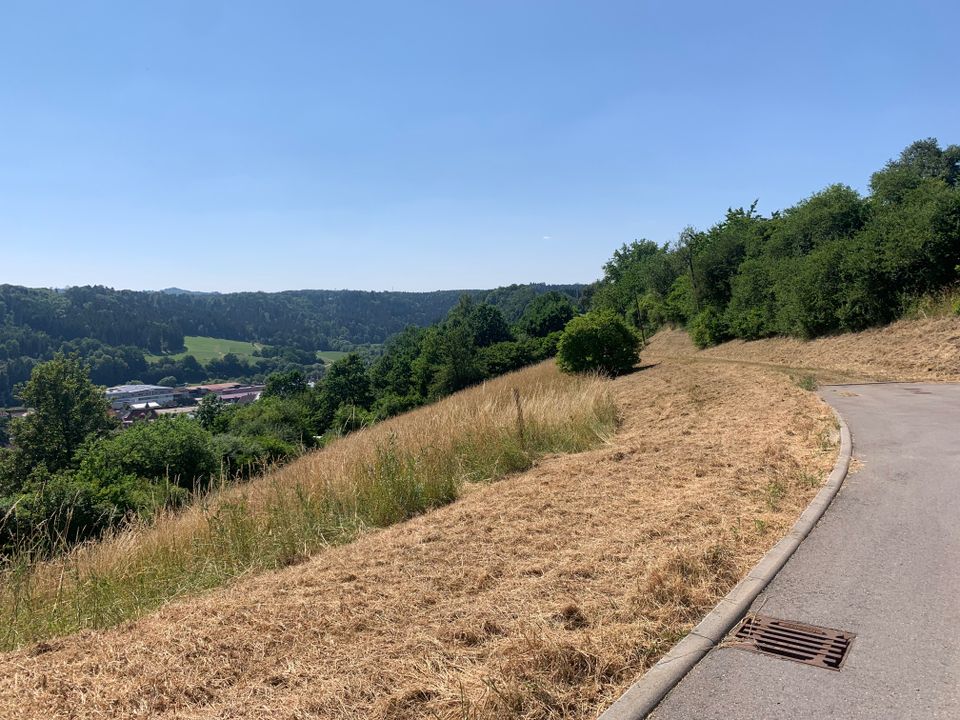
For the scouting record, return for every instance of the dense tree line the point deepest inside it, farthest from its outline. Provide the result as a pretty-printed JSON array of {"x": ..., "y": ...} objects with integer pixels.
[
  {"x": 113, "y": 330},
  {"x": 836, "y": 261},
  {"x": 71, "y": 473}
]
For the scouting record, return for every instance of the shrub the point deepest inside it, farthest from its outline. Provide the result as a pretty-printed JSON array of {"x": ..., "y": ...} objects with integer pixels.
[
  {"x": 503, "y": 357},
  {"x": 707, "y": 328},
  {"x": 390, "y": 404},
  {"x": 598, "y": 341},
  {"x": 240, "y": 456},
  {"x": 350, "y": 417},
  {"x": 546, "y": 347},
  {"x": 171, "y": 449}
]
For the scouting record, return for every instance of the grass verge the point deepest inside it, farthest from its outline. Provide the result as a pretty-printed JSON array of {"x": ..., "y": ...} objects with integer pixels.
[{"x": 371, "y": 479}]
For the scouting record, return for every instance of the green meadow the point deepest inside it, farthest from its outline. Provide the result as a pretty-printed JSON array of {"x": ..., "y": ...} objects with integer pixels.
[{"x": 205, "y": 349}]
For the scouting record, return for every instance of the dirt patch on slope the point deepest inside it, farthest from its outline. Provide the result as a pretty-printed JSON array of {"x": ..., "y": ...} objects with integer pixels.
[
  {"x": 910, "y": 350},
  {"x": 542, "y": 595}
]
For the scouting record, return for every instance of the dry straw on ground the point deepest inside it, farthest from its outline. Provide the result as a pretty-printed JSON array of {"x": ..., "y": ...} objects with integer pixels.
[
  {"x": 911, "y": 350},
  {"x": 543, "y": 595},
  {"x": 373, "y": 478}
]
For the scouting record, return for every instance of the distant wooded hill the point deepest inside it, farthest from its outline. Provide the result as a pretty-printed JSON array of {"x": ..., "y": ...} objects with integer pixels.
[{"x": 95, "y": 321}]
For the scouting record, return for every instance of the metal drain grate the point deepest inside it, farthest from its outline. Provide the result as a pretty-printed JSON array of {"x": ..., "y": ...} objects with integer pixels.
[{"x": 808, "y": 644}]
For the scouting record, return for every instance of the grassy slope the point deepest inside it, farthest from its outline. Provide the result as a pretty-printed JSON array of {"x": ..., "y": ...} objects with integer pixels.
[
  {"x": 543, "y": 595},
  {"x": 205, "y": 349},
  {"x": 374, "y": 478},
  {"x": 912, "y": 350}
]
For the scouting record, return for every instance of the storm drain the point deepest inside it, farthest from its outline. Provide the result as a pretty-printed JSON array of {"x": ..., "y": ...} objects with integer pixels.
[{"x": 808, "y": 644}]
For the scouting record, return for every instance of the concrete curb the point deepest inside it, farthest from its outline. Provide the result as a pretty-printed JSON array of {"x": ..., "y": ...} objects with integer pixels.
[{"x": 645, "y": 694}]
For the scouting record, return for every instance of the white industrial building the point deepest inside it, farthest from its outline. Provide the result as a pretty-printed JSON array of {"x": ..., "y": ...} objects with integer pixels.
[{"x": 123, "y": 396}]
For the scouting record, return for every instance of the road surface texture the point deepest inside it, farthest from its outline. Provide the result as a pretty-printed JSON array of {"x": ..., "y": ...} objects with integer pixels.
[{"x": 884, "y": 563}]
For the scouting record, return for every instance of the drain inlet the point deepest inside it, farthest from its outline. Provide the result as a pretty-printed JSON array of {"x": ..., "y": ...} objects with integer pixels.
[{"x": 808, "y": 644}]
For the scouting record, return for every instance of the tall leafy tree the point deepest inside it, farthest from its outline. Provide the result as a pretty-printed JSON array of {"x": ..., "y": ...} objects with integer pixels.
[
  {"x": 545, "y": 314},
  {"x": 347, "y": 383},
  {"x": 66, "y": 410},
  {"x": 285, "y": 384}
]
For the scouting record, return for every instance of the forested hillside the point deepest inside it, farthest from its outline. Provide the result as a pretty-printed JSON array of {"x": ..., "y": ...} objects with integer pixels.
[
  {"x": 113, "y": 329},
  {"x": 71, "y": 473},
  {"x": 834, "y": 262}
]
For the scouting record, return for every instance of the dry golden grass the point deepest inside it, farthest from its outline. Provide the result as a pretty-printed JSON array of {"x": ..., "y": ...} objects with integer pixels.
[
  {"x": 369, "y": 479},
  {"x": 911, "y": 350},
  {"x": 541, "y": 596}
]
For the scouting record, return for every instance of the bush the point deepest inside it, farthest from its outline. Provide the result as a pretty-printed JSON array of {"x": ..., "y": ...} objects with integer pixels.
[
  {"x": 56, "y": 510},
  {"x": 350, "y": 417},
  {"x": 598, "y": 341},
  {"x": 546, "y": 347},
  {"x": 177, "y": 450},
  {"x": 390, "y": 404},
  {"x": 707, "y": 328},
  {"x": 503, "y": 357},
  {"x": 240, "y": 456}
]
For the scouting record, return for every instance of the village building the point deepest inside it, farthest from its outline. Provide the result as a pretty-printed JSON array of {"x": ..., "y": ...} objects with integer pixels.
[
  {"x": 124, "y": 396},
  {"x": 138, "y": 412},
  {"x": 230, "y": 393}
]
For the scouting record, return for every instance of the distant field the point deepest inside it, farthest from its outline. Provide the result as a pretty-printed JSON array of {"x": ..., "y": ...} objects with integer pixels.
[{"x": 205, "y": 349}]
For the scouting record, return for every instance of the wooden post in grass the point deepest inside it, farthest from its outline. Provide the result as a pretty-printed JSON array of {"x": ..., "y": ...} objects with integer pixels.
[{"x": 520, "y": 428}]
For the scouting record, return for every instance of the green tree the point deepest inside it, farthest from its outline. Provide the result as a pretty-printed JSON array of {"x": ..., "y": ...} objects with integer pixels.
[
  {"x": 598, "y": 341},
  {"x": 290, "y": 420},
  {"x": 67, "y": 409},
  {"x": 347, "y": 382},
  {"x": 285, "y": 384},
  {"x": 392, "y": 373},
  {"x": 545, "y": 314},
  {"x": 458, "y": 365},
  {"x": 210, "y": 413},
  {"x": 489, "y": 326},
  {"x": 923, "y": 159}
]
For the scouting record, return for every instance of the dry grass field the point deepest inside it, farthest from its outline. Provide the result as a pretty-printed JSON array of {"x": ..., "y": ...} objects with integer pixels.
[
  {"x": 912, "y": 350},
  {"x": 541, "y": 595},
  {"x": 370, "y": 479}
]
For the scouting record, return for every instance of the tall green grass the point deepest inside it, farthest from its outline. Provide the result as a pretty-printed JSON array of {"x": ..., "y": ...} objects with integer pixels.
[
  {"x": 938, "y": 304},
  {"x": 370, "y": 479}
]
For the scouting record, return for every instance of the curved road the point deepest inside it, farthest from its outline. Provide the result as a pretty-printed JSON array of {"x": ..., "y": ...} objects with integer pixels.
[{"x": 883, "y": 563}]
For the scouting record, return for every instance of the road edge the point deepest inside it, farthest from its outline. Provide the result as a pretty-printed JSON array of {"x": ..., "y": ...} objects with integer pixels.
[{"x": 646, "y": 693}]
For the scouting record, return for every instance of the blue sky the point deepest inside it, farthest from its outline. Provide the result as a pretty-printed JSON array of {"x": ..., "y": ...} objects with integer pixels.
[{"x": 425, "y": 145}]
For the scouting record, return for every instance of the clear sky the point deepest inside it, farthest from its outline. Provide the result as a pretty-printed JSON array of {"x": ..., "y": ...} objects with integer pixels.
[{"x": 422, "y": 145}]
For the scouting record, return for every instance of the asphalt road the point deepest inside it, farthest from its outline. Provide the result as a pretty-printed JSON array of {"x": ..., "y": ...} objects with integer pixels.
[{"x": 884, "y": 563}]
